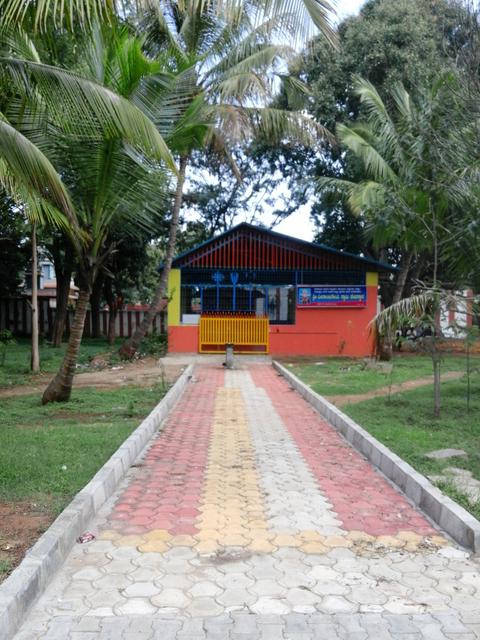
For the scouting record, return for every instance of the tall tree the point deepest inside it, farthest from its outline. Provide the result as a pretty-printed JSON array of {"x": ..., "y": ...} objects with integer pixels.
[
  {"x": 409, "y": 41},
  {"x": 231, "y": 68},
  {"x": 112, "y": 183},
  {"x": 414, "y": 182},
  {"x": 409, "y": 190}
]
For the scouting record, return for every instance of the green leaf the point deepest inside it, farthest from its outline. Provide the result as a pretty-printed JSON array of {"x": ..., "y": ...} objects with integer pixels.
[
  {"x": 85, "y": 109},
  {"x": 31, "y": 168}
]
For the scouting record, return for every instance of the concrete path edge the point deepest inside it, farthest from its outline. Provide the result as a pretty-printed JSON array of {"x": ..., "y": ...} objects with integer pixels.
[
  {"x": 28, "y": 581},
  {"x": 447, "y": 514}
]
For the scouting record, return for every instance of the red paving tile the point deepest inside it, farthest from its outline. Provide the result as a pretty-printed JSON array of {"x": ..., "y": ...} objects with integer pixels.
[
  {"x": 361, "y": 497},
  {"x": 168, "y": 487}
]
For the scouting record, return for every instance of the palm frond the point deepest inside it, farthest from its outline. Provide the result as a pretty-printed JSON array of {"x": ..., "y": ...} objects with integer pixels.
[
  {"x": 402, "y": 101},
  {"x": 260, "y": 59},
  {"x": 307, "y": 15},
  {"x": 379, "y": 117},
  {"x": 40, "y": 13},
  {"x": 274, "y": 125},
  {"x": 362, "y": 197},
  {"x": 85, "y": 109},
  {"x": 376, "y": 166},
  {"x": 16, "y": 41},
  {"x": 416, "y": 307},
  {"x": 31, "y": 167}
]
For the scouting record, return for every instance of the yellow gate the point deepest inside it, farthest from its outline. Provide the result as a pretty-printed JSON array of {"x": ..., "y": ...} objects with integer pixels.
[{"x": 248, "y": 335}]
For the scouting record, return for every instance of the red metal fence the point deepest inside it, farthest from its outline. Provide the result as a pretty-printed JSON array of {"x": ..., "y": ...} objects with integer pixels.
[{"x": 15, "y": 316}]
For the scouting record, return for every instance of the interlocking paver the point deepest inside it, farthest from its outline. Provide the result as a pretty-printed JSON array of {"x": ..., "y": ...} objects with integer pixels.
[{"x": 250, "y": 517}]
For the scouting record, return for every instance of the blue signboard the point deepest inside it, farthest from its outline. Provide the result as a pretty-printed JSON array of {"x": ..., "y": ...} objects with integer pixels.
[{"x": 332, "y": 296}]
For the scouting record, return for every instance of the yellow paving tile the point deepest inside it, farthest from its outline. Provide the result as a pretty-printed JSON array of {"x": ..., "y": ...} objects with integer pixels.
[
  {"x": 263, "y": 534},
  {"x": 314, "y": 547},
  {"x": 206, "y": 546},
  {"x": 155, "y": 546},
  {"x": 129, "y": 541},
  {"x": 257, "y": 523},
  {"x": 311, "y": 536},
  {"x": 285, "y": 540},
  {"x": 158, "y": 534},
  {"x": 207, "y": 534},
  {"x": 337, "y": 541},
  {"x": 409, "y": 536},
  {"x": 182, "y": 541},
  {"x": 262, "y": 546},
  {"x": 232, "y": 497},
  {"x": 438, "y": 540},
  {"x": 390, "y": 541},
  {"x": 360, "y": 536},
  {"x": 234, "y": 530},
  {"x": 232, "y": 540}
]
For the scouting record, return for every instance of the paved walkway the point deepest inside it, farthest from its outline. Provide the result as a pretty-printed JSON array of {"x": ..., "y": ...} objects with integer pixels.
[{"x": 250, "y": 518}]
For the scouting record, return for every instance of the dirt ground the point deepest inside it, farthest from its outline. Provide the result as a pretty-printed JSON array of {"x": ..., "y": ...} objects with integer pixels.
[
  {"x": 138, "y": 372},
  {"x": 342, "y": 400},
  {"x": 22, "y": 523}
]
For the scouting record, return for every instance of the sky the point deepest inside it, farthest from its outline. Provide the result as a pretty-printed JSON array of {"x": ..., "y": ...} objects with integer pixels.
[{"x": 299, "y": 224}]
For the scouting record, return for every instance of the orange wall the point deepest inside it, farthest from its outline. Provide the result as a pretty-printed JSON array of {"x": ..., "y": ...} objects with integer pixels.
[
  {"x": 327, "y": 331},
  {"x": 183, "y": 339},
  {"x": 319, "y": 332}
]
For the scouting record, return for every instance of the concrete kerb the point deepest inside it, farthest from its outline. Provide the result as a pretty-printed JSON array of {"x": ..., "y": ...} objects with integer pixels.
[
  {"x": 451, "y": 517},
  {"x": 28, "y": 581}
]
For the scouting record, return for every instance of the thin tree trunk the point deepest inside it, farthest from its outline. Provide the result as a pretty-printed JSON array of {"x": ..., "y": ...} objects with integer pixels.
[
  {"x": 63, "y": 260},
  {"x": 95, "y": 300},
  {"x": 402, "y": 277},
  {"x": 35, "y": 360},
  {"x": 112, "y": 310},
  {"x": 436, "y": 381},
  {"x": 112, "y": 318},
  {"x": 60, "y": 387},
  {"x": 131, "y": 346},
  {"x": 436, "y": 319},
  {"x": 62, "y": 295},
  {"x": 385, "y": 343}
]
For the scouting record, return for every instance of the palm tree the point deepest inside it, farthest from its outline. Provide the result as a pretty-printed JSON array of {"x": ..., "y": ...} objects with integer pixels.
[
  {"x": 413, "y": 179},
  {"x": 228, "y": 71},
  {"x": 409, "y": 188},
  {"x": 113, "y": 185},
  {"x": 112, "y": 160},
  {"x": 415, "y": 183},
  {"x": 304, "y": 14}
]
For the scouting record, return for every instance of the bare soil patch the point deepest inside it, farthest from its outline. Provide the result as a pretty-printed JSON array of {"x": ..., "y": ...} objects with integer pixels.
[
  {"x": 146, "y": 370},
  {"x": 342, "y": 400},
  {"x": 21, "y": 523}
]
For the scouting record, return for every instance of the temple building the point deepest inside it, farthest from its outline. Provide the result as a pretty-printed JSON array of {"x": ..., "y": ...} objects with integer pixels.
[{"x": 265, "y": 292}]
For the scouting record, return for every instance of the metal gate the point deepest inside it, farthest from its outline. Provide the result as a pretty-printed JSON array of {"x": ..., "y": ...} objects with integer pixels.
[{"x": 247, "y": 334}]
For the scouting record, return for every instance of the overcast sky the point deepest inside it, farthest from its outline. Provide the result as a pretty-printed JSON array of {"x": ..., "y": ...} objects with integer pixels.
[
  {"x": 299, "y": 224},
  {"x": 347, "y": 7}
]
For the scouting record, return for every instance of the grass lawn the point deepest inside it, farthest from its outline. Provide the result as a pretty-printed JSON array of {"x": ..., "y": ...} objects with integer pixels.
[
  {"x": 338, "y": 376},
  {"x": 16, "y": 370},
  {"x": 48, "y": 453},
  {"x": 405, "y": 422}
]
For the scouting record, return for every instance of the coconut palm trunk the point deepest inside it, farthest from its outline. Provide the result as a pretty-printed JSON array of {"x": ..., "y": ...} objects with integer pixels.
[
  {"x": 35, "y": 360},
  {"x": 131, "y": 346},
  {"x": 62, "y": 295},
  {"x": 60, "y": 387}
]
